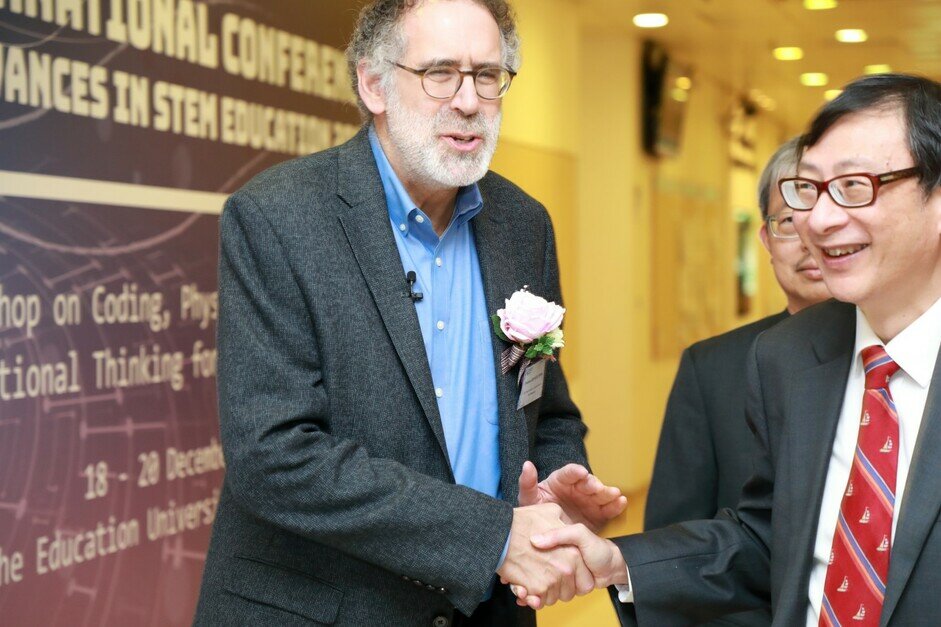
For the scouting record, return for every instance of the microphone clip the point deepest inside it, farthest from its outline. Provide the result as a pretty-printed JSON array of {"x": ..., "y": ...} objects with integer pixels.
[{"x": 411, "y": 278}]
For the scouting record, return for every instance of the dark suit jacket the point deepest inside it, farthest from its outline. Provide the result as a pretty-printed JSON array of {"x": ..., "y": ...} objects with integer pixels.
[
  {"x": 705, "y": 451},
  {"x": 695, "y": 571},
  {"x": 339, "y": 506}
]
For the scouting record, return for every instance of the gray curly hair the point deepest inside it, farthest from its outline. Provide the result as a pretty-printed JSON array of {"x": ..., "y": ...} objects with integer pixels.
[{"x": 378, "y": 37}]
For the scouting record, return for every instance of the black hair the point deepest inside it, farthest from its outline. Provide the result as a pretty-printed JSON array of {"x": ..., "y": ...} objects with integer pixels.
[{"x": 918, "y": 98}]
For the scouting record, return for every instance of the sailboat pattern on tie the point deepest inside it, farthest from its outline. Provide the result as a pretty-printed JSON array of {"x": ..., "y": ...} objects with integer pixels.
[
  {"x": 860, "y": 613},
  {"x": 855, "y": 585}
]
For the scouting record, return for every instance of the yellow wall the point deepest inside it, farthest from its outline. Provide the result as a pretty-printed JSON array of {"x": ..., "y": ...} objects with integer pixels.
[
  {"x": 544, "y": 105},
  {"x": 647, "y": 247},
  {"x": 539, "y": 141},
  {"x": 627, "y": 224}
]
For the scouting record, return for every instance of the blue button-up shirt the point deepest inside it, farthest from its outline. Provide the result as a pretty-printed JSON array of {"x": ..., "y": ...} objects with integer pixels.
[{"x": 455, "y": 325}]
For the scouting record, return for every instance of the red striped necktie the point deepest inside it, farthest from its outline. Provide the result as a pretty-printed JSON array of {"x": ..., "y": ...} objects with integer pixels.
[{"x": 859, "y": 560}]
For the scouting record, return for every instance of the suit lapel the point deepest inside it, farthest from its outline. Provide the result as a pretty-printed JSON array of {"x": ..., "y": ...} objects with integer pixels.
[
  {"x": 367, "y": 229},
  {"x": 816, "y": 400},
  {"x": 503, "y": 273},
  {"x": 817, "y": 396},
  {"x": 921, "y": 501}
]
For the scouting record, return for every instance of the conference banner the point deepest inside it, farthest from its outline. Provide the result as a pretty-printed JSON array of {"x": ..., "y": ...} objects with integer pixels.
[{"x": 124, "y": 124}]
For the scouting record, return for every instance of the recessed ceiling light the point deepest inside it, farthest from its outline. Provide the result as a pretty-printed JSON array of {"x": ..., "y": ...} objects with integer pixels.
[
  {"x": 878, "y": 68},
  {"x": 830, "y": 94},
  {"x": 788, "y": 53},
  {"x": 851, "y": 35},
  {"x": 819, "y": 5},
  {"x": 651, "y": 20},
  {"x": 814, "y": 79},
  {"x": 684, "y": 82}
]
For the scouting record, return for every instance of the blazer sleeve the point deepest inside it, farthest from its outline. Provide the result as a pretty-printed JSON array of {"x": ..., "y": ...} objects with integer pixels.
[
  {"x": 285, "y": 467},
  {"x": 560, "y": 432},
  {"x": 693, "y": 572},
  {"x": 685, "y": 474}
]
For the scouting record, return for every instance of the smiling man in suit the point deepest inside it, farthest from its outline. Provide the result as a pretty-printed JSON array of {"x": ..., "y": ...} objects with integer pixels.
[
  {"x": 373, "y": 447},
  {"x": 705, "y": 450},
  {"x": 844, "y": 400}
]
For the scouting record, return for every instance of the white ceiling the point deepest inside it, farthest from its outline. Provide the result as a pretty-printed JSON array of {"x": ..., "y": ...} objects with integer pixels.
[{"x": 730, "y": 41}]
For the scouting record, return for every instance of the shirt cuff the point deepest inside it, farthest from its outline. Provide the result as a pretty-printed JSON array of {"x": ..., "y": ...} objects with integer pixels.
[
  {"x": 506, "y": 548},
  {"x": 625, "y": 591}
]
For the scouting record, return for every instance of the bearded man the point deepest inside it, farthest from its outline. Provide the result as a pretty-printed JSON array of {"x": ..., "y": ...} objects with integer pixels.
[{"x": 374, "y": 449}]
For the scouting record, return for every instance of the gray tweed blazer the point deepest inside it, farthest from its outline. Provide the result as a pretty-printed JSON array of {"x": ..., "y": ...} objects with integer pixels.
[{"x": 339, "y": 505}]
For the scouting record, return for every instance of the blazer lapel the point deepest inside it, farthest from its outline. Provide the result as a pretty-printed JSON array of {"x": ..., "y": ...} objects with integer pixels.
[
  {"x": 921, "y": 501},
  {"x": 503, "y": 273},
  {"x": 367, "y": 229},
  {"x": 816, "y": 399}
]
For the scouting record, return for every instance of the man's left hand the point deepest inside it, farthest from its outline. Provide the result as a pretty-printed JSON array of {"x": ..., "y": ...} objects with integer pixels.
[{"x": 581, "y": 495}]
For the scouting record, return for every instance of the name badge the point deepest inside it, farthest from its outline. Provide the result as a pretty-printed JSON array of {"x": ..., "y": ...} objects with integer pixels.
[{"x": 533, "y": 379}]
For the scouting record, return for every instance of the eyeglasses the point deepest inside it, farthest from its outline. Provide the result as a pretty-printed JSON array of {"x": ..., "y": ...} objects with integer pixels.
[
  {"x": 442, "y": 82},
  {"x": 781, "y": 225},
  {"x": 848, "y": 190}
]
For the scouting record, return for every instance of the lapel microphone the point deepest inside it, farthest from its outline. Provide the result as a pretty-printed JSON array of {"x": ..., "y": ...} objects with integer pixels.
[{"x": 411, "y": 278}]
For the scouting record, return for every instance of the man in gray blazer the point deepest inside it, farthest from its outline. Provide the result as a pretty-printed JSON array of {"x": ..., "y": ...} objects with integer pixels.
[
  {"x": 835, "y": 526},
  {"x": 373, "y": 445},
  {"x": 705, "y": 450}
]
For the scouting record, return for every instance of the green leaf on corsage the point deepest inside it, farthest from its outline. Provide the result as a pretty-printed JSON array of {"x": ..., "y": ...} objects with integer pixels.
[{"x": 495, "y": 321}]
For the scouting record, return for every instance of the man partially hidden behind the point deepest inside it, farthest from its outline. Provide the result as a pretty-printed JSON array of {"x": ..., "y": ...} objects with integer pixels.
[
  {"x": 374, "y": 449},
  {"x": 840, "y": 521},
  {"x": 705, "y": 451}
]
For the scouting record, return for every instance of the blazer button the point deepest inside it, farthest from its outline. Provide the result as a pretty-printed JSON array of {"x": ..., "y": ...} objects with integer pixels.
[{"x": 441, "y": 621}]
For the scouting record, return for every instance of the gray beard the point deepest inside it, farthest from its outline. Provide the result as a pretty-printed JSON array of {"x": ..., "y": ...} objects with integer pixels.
[{"x": 425, "y": 159}]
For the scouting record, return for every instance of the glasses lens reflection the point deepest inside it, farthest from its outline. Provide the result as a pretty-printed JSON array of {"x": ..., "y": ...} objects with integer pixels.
[
  {"x": 782, "y": 225},
  {"x": 851, "y": 191},
  {"x": 445, "y": 82}
]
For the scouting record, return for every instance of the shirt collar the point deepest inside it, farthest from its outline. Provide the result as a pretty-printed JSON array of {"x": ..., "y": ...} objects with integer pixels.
[
  {"x": 401, "y": 207},
  {"x": 914, "y": 349}
]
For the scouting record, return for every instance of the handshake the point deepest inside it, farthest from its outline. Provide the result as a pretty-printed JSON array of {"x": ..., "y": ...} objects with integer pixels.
[{"x": 553, "y": 553}]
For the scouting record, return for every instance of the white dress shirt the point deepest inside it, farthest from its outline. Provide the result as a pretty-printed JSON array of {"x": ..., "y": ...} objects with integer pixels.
[{"x": 915, "y": 350}]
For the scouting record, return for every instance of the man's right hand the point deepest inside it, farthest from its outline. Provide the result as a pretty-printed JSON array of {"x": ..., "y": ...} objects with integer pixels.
[
  {"x": 546, "y": 575},
  {"x": 602, "y": 557}
]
